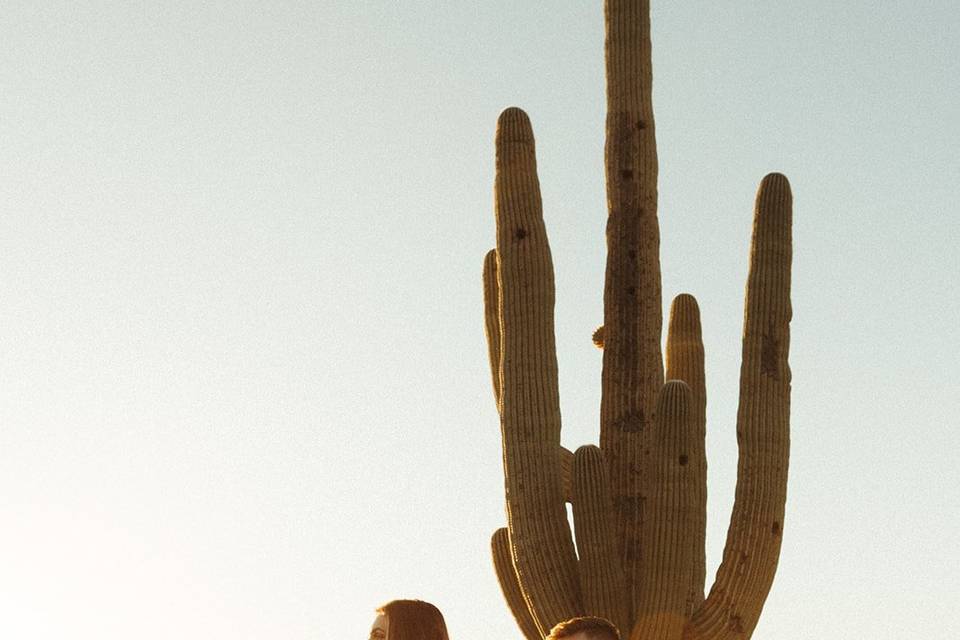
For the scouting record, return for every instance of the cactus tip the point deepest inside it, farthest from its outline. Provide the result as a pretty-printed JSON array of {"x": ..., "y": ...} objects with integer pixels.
[
  {"x": 775, "y": 180},
  {"x": 684, "y": 314},
  {"x": 674, "y": 389},
  {"x": 685, "y": 300},
  {"x": 513, "y": 125},
  {"x": 591, "y": 451}
]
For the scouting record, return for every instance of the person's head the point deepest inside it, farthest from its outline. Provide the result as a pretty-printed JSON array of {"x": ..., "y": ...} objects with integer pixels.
[
  {"x": 584, "y": 628},
  {"x": 408, "y": 620}
]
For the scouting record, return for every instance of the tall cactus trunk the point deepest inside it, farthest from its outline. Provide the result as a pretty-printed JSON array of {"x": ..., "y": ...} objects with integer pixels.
[{"x": 632, "y": 364}]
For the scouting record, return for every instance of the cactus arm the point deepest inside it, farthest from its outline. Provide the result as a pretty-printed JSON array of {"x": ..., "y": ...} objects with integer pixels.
[
  {"x": 684, "y": 360},
  {"x": 491, "y": 318},
  {"x": 667, "y": 555},
  {"x": 507, "y": 576},
  {"x": 632, "y": 362},
  {"x": 491, "y": 314},
  {"x": 601, "y": 578},
  {"x": 540, "y": 537},
  {"x": 500, "y": 543},
  {"x": 750, "y": 555}
]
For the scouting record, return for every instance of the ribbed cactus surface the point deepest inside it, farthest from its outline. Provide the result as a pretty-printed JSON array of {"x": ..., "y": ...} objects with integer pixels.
[{"x": 639, "y": 499}]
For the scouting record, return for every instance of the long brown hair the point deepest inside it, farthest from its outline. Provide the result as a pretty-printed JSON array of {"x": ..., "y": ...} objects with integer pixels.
[{"x": 414, "y": 620}]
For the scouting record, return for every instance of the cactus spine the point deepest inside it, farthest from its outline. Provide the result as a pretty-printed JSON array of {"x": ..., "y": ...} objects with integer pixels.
[{"x": 639, "y": 500}]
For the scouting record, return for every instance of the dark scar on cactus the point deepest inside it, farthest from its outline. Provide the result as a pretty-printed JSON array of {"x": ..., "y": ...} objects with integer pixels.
[
  {"x": 632, "y": 422},
  {"x": 769, "y": 355}
]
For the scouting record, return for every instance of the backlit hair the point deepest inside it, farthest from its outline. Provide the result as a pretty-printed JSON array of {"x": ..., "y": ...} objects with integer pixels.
[
  {"x": 594, "y": 628},
  {"x": 413, "y": 620}
]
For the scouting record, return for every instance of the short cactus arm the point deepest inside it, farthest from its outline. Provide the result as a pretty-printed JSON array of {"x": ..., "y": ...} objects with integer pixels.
[
  {"x": 632, "y": 362},
  {"x": 684, "y": 360},
  {"x": 601, "y": 577},
  {"x": 543, "y": 551},
  {"x": 667, "y": 553},
  {"x": 750, "y": 556}
]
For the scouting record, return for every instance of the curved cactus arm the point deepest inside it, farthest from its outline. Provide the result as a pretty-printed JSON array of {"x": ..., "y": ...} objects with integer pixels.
[
  {"x": 491, "y": 319},
  {"x": 543, "y": 551},
  {"x": 668, "y": 557},
  {"x": 750, "y": 556},
  {"x": 601, "y": 577},
  {"x": 684, "y": 360},
  {"x": 632, "y": 362},
  {"x": 507, "y": 576}
]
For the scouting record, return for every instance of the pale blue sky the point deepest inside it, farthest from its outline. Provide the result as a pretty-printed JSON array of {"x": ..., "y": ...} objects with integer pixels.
[{"x": 243, "y": 379}]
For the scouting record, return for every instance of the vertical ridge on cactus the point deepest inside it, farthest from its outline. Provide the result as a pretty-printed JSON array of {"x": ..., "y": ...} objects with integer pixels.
[{"x": 639, "y": 500}]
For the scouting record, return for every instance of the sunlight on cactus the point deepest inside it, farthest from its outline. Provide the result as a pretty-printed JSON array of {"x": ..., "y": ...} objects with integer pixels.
[{"x": 638, "y": 500}]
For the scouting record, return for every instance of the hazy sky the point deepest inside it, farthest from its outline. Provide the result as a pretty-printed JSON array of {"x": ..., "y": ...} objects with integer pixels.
[{"x": 243, "y": 379}]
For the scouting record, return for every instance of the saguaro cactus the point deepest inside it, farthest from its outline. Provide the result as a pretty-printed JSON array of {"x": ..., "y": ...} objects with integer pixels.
[{"x": 639, "y": 500}]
